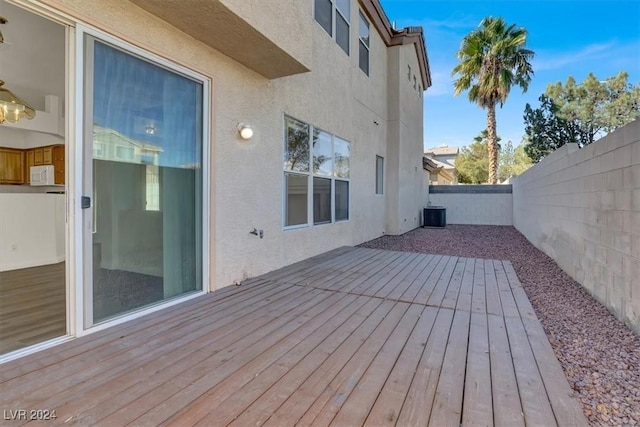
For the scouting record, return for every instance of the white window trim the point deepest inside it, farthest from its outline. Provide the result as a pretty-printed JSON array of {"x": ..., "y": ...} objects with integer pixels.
[
  {"x": 376, "y": 177},
  {"x": 334, "y": 17},
  {"x": 74, "y": 113},
  {"x": 360, "y": 41},
  {"x": 310, "y": 175}
]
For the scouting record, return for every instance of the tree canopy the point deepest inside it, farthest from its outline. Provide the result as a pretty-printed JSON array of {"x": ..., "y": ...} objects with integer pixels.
[
  {"x": 472, "y": 164},
  {"x": 579, "y": 113},
  {"x": 512, "y": 161},
  {"x": 493, "y": 58}
]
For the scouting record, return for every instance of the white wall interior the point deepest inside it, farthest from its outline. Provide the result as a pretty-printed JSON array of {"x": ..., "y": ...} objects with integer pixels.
[
  {"x": 32, "y": 65},
  {"x": 33, "y": 60},
  {"x": 31, "y": 229}
]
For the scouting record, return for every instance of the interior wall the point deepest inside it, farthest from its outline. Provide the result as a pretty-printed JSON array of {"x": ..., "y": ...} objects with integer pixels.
[
  {"x": 33, "y": 56},
  {"x": 31, "y": 230}
]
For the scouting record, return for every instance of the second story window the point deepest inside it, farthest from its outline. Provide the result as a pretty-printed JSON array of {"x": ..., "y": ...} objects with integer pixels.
[
  {"x": 335, "y": 17},
  {"x": 363, "y": 45}
]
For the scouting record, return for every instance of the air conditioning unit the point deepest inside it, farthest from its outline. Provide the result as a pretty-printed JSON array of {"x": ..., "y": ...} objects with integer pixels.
[{"x": 434, "y": 216}]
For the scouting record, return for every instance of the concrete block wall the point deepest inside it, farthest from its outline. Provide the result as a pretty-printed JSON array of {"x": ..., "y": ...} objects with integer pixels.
[
  {"x": 582, "y": 208},
  {"x": 474, "y": 204}
]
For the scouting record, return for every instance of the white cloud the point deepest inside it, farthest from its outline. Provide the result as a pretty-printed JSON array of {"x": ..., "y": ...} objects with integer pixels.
[{"x": 553, "y": 61}]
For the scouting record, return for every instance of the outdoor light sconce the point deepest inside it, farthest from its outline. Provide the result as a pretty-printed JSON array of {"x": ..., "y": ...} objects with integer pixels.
[{"x": 245, "y": 131}]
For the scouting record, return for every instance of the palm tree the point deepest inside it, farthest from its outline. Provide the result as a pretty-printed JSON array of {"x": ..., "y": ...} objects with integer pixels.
[{"x": 492, "y": 59}]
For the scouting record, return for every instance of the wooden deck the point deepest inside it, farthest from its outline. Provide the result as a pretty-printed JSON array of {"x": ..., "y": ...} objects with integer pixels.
[{"x": 355, "y": 336}]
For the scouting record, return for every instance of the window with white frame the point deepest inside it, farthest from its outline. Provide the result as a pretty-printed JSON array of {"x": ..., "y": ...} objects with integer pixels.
[
  {"x": 335, "y": 17},
  {"x": 379, "y": 175},
  {"x": 316, "y": 175},
  {"x": 363, "y": 44}
]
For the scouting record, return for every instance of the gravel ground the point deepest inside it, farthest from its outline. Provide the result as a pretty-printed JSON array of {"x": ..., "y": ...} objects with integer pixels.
[{"x": 599, "y": 354}]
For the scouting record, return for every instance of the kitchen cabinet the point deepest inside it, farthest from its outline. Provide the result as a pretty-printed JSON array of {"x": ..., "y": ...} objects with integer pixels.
[
  {"x": 29, "y": 161},
  {"x": 14, "y": 162},
  {"x": 57, "y": 160},
  {"x": 38, "y": 156},
  {"x": 11, "y": 166},
  {"x": 47, "y": 155}
]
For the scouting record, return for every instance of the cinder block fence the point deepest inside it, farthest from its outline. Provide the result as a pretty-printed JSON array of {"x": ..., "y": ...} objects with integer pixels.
[
  {"x": 582, "y": 208},
  {"x": 579, "y": 206}
]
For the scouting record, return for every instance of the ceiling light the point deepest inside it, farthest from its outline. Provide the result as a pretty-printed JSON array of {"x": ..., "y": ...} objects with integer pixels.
[{"x": 13, "y": 108}]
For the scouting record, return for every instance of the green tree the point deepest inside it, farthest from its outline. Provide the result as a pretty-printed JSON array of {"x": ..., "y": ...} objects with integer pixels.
[
  {"x": 493, "y": 58},
  {"x": 513, "y": 161},
  {"x": 472, "y": 163},
  {"x": 579, "y": 113},
  {"x": 545, "y": 131}
]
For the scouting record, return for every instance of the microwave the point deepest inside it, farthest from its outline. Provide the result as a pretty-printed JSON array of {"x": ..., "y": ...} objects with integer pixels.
[{"x": 42, "y": 175}]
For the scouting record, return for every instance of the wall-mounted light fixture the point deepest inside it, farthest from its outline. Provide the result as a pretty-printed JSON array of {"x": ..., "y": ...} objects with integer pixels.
[{"x": 245, "y": 131}]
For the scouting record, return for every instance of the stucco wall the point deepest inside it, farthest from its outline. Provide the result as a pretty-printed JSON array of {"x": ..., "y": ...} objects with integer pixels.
[
  {"x": 406, "y": 192},
  {"x": 247, "y": 176},
  {"x": 293, "y": 17},
  {"x": 582, "y": 208},
  {"x": 474, "y": 204}
]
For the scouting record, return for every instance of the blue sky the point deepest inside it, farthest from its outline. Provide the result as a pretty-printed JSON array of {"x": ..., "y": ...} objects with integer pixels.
[{"x": 569, "y": 37}]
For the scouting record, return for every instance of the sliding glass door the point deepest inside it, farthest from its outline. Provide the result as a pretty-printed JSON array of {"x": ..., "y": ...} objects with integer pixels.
[{"x": 143, "y": 181}]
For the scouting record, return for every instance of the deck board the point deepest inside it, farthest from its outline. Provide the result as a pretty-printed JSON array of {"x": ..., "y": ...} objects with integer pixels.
[
  {"x": 477, "y": 409},
  {"x": 350, "y": 337}
]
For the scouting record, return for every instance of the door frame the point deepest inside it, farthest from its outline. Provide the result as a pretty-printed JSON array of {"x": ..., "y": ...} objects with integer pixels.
[
  {"x": 75, "y": 170},
  {"x": 82, "y": 182}
]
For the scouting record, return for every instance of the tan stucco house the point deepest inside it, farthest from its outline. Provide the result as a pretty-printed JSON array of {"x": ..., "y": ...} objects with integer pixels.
[
  {"x": 438, "y": 173},
  {"x": 244, "y": 136}
]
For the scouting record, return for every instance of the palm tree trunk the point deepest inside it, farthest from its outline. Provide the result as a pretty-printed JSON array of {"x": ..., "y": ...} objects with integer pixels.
[{"x": 492, "y": 144}]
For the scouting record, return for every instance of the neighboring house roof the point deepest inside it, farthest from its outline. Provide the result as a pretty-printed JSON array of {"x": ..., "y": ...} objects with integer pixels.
[
  {"x": 444, "y": 165},
  {"x": 111, "y": 136},
  {"x": 443, "y": 150},
  {"x": 429, "y": 163},
  {"x": 443, "y": 169}
]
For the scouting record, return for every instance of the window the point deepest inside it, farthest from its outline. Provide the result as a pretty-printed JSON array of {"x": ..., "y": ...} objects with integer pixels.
[
  {"x": 342, "y": 200},
  {"x": 321, "y": 201},
  {"x": 363, "y": 45},
  {"x": 124, "y": 153},
  {"x": 335, "y": 17},
  {"x": 98, "y": 150},
  {"x": 296, "y": 161},
  {"x": 152, "y": 188},
  {"x": 316, "y": 175},
  {"x": 379, "y": 175}
]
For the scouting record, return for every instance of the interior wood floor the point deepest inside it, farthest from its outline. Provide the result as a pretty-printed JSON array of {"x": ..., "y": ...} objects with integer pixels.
[{"x": 32, "y": 306}]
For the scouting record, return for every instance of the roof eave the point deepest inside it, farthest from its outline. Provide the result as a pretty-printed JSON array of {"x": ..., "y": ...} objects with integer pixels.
[{"x": 374, "y": 11}]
